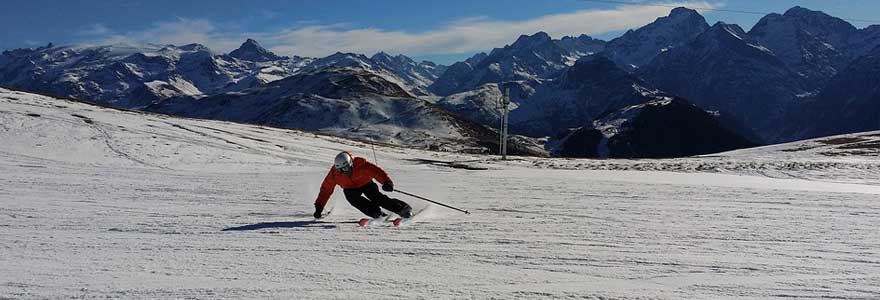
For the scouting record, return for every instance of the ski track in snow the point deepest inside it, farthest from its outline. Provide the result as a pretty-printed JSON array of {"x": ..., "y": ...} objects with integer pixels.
[{"x": 150, "y": 206}]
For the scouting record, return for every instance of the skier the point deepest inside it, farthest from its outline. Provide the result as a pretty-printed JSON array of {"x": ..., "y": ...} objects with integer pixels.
[{"x": 355, "y": 175}]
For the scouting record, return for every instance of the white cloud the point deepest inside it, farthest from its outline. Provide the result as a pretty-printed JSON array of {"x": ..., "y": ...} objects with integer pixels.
[
  {"x": 178, "y": 32},
  {"x": 461, "y": 36}
]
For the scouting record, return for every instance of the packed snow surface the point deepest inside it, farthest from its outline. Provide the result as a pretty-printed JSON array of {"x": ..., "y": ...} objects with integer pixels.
[{"x": 102, "y": 203}]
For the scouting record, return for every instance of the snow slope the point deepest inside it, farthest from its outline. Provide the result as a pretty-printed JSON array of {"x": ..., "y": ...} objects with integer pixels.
[{"x": 102, "y": 203}]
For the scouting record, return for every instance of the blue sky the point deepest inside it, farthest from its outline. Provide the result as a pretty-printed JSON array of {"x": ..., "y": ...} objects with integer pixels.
[{"x": 442, "y": 31}]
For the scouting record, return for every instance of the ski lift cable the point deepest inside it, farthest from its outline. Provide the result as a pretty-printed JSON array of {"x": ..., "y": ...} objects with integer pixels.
[{"x": 713, "y": 9}]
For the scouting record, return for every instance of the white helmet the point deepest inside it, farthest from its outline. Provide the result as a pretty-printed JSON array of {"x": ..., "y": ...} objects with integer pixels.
[{"x": 343, "y": 161}]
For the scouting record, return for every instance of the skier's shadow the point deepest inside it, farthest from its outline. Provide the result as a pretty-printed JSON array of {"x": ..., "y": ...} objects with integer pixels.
[{"x": 293, "y": 224}]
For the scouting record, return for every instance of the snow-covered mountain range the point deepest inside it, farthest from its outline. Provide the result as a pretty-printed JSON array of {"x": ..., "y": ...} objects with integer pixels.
[
  {"x": 132, "y": 76},
  {"x": 767, "y": 78},
  {"x": 129, "y": 76},
  {"x": 530, "y": 58},
  {"x": 590, "y": 87},
  {"x": 793, "y": 75},
  {"x": 761, "y": 83},
  {"x": 418, "y": 75}
]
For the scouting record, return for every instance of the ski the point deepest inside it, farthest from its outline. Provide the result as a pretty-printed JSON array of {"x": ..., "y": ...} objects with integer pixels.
[
  {"x": 395, "y": 222},
  {"x": 401, "y": 222},
  {"x": 367, "y": 222}
]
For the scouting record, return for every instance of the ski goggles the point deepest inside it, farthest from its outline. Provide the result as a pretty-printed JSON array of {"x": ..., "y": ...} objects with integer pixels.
[{"x": 344, "y": 169}]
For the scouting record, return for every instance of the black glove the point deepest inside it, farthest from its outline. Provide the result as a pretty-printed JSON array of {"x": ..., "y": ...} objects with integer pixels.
[
  {"x": 318, "y": 211},
  {"x": 388, "y": 186}
]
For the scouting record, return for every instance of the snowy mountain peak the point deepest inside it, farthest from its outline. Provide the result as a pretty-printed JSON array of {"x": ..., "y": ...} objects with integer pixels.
[
  {"x": 251, "y": 43},
  {"x": 194, "y": 47},
  {"x": 417, "y": 75},
  {"x": 381, "y": 55},
  {"x": 531, "y": 41},
  {"x": 476, "y": 59},
  {"x": 813, "y": 23},
  {"x": 730, "y": 29},
  {"x": 679, "y": 15},
  {"x": 251, "y": 50},
  {"x": 343, "y": 60},
  {"x": 582, "y": 37},
  {"x": 814, "y": 44},
  {"x": 801, "y": 12},
  {"x": 734, "y": 37},
  {"x": 347, "y": 55},
  {"x": 733, "y": 29},
  {"x": 581, "y": 45},
  {"x": 684, "y": 12},
  {"x": 592, "y": 68},
  {"x": 825, "y": 25},
  {"x": 399, "y": 59},
  {"x": 638, "y": 47}
]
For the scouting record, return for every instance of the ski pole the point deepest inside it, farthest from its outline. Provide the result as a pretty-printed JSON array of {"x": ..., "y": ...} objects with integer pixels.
[{"x": 432, "y": 201}]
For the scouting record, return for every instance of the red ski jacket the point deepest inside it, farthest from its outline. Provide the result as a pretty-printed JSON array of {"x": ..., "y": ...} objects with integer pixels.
[{"x": 362, "y": 172}]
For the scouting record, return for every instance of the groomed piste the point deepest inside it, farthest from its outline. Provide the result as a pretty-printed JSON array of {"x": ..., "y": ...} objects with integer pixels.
[{"x": 100, "y": 203}]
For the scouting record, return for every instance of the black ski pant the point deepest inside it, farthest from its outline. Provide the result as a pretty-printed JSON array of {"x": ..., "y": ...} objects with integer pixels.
[{"x": 374, "y": 201}]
